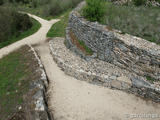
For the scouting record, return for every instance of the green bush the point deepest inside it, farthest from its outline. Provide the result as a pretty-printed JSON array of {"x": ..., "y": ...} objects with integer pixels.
[
  {"x": 22, "y": 22},
  {"x": 12, "y": 23},
  {"x": 1, "y": 2},
  {"x": 139, "y": 21},
  {"x": 43, "y": 8},
  {"x": 94, "y": 10},
  {"x": 139, "y": 2},
  {"x": 56, "y": 7},
  {"x": 22, "y": 1},
  {"x": 5, "y": 26},
  {"x": 157, "y": 1}
]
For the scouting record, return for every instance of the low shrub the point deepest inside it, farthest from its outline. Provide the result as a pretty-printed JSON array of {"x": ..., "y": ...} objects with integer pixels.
[
  {"x": 56, "y": 7},
  {"x": 94, "y": 10},
  {"x": 1, "y": 2},
  {"x": 139, "y": 2},
  {"x": 12, "y": 23},
  {"x": 158, "y": 1},
  {"x": 22, "y": 1},
  {"x": 43, "y": 8},
  {"x": 22, "y": 21},
  {"x": 139, "y": 21}
]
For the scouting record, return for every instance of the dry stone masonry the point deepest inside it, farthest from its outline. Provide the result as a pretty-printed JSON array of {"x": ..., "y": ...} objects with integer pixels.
[
  {"x": 37, "y": 102},
  {"x": 102, "y": 73},
  {"x": 129, "y": 53},
  {"x": 125, "y": 51}
]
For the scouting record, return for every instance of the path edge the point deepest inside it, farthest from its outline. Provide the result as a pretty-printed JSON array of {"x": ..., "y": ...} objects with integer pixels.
[{"x": 41, "y": 101}]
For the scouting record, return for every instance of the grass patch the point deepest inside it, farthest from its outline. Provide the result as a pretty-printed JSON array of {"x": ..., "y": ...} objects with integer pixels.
[
  {"x": 139, "y": 21},
  {"x": 17, "y": 70},
  {"x": 32, "y": 30},
  {"x": 58, "y": 29},
  {"x": 150, "y": 79},
  {"x": 80, "y": 44},
  {"x": 87, "y": 49}
]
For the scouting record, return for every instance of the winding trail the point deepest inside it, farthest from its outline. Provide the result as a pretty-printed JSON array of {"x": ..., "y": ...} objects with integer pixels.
[
  {"x": 36, "y": 38},
  {"x": 71, "y": 99}
]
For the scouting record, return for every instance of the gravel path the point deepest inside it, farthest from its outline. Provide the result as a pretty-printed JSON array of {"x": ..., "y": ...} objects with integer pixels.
[
  {"x": 71, "y": 99},
  {"x": 33, "y": 39}
]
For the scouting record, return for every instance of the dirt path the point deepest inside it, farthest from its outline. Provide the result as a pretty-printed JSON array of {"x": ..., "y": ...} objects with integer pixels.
[
  {"x": 71, "y": 99},
  {"x": 33, "y": 39}
]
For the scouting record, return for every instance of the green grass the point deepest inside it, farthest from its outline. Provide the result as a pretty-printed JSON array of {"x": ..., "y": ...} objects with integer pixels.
[
  {"x": 80, "y": 44},
  {"x": 87, "y": 49},
  {"x": 139, "y": 21},
  {"x": 32, "y": 30},
  {"x": 58, "y": 29},
  {"x": 14, "y": 81},
  {"x": 150, "y": 79}
]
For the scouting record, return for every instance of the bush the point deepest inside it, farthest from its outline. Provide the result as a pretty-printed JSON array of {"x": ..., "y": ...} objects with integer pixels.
[
  {"x": 94, "y": 10},
  {"x": 1, "y": 2},
  {"x": 22, "y": 21},
  {"x": 44, "y": 8},
  {"x": 55, "y": 8},
  {"x": 5, "y": 26},
  {"x": 20, "y": 1},
  {"x": 140, "y": 21},
  {"x": 139, "y": 2},
  {"x": 157, "y": 1},
  {"x": 36, "y": 3},
  {"x": 12, "y": 23}
]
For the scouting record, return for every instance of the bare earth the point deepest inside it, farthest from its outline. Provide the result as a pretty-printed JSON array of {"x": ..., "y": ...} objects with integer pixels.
[{"x": 72, "y": 99}]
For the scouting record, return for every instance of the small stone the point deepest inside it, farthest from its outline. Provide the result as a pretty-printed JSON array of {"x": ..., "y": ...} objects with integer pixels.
[
  {"x": 113, "y": 77},
  {"x": 20, "y": 107},
  {"x": 125, "y": 79},
  {"x": 116, "y": 84},
  {"x": 89, "y": 73},
  {"x": 123, "y": 47},
  {"x": 19, "y": 84},
  {"x": 139, "y": 82}
]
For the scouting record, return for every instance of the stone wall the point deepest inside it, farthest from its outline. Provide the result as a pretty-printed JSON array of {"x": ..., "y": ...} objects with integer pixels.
[
  {"x": 125, "y": 51},
  {"x": 35, "y": 100},
  {"x": 101, "y": 73}
]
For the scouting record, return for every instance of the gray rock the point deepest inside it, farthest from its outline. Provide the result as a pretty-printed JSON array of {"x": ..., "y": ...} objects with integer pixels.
[{"x": 138, "y": 82}]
